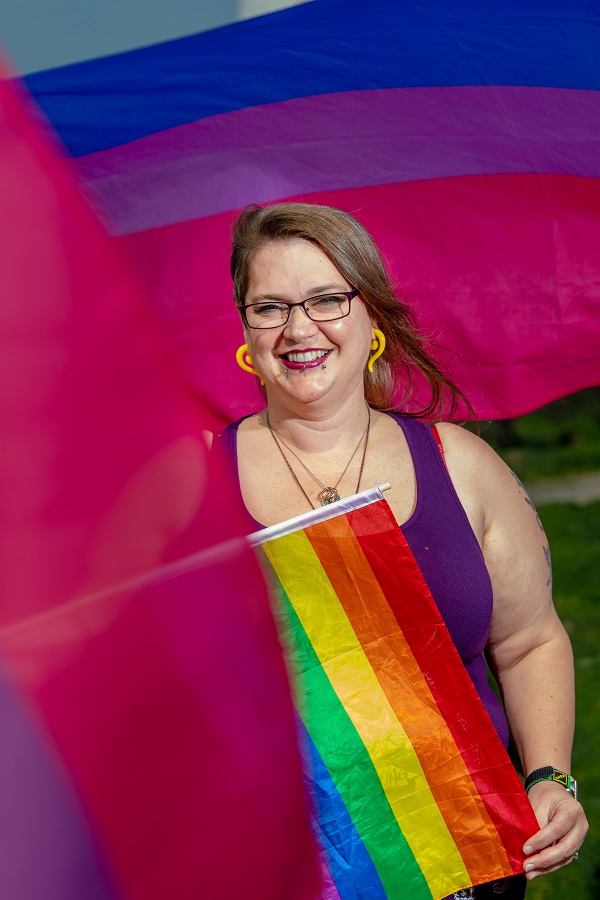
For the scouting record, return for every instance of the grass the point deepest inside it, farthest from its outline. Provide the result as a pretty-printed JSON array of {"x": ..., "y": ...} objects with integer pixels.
[
  {"x": 561, "y": 439},
  {"x": 574, "y": 535}
]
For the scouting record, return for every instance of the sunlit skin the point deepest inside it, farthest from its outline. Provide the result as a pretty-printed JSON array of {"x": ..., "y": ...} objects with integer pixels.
[
  {"x": 322, "y": 414},
  {"x": 293, "y": 271}
]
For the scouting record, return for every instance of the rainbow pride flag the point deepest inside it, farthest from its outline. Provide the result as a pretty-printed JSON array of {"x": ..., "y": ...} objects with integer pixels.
[{"x": 413, "y": 792}]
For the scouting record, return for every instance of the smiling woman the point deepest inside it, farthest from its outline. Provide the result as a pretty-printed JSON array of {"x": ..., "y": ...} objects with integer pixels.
[
  {"x": 356, "y": 263},
  {"x": 316, "y": 325},
  {"x": 333, "y": 347}
]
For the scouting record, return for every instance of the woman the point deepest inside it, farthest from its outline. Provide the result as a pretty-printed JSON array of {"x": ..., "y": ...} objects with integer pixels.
[{"x": 330, "y": 342}]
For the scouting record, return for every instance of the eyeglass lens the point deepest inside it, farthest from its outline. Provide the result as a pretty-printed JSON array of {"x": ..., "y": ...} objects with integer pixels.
[{"x": 270, "y": 314}]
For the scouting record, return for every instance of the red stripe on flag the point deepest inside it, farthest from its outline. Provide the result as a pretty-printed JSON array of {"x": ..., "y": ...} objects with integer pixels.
[{"x": 400, "y": 578}]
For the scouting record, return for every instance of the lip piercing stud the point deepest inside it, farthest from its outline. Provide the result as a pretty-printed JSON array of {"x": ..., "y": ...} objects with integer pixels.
[{"x": 323, "y": 366}]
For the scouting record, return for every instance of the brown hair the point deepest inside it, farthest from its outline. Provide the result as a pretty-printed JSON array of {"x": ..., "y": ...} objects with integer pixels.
[{"x": 354, "y": 253}]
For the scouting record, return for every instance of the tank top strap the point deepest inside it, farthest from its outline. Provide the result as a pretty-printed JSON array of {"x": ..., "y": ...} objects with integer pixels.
[
  {"x": 436, "y": 497},
  {"x": 224, "y": 448},
  {"x": 225, "y": 444},
  {"x": 425, "y": 448}
]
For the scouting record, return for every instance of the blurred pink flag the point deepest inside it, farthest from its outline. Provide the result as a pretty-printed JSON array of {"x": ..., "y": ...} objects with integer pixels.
[{"x": 148, "y": 737}]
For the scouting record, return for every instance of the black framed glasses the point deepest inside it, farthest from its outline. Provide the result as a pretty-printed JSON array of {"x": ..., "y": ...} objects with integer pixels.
[{"x": 275, "y": 313}]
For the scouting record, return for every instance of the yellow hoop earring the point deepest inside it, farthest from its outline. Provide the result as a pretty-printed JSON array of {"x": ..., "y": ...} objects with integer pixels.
[
  {"x": 378, "y": 345},
  {"x": 246, "y": 364}
]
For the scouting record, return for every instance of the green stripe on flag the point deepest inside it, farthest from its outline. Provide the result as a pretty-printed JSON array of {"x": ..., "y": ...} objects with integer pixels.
[{"x": 343, "y": 752}]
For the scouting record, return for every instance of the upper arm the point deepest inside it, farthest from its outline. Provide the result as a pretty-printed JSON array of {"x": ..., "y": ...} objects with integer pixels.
[{"x": 514, "y": 546}]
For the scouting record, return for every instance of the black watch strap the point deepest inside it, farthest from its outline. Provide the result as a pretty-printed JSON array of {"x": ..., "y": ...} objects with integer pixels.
[{"x": 549, "y": 773}]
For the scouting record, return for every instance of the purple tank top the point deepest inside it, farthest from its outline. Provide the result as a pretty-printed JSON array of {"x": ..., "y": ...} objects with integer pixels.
[{"x": 443, "y": 543}]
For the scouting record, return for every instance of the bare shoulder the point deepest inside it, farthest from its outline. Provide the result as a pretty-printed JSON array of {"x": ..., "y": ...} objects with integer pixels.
[{"x": 466, "y": 451}]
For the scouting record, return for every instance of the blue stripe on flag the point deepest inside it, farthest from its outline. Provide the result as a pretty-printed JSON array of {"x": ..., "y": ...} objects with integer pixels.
[
  {"x": 348, "y": 860},
  {"x": 319, "y": 48}
]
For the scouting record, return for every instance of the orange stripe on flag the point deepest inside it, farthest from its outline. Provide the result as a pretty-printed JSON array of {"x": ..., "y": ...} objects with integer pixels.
[{"x": 400, "y": 677}]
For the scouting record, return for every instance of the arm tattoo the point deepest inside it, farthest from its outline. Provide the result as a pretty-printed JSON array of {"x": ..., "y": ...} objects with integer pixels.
[
  {"x": 538, "y": 520},
  {"x": 549, "y": 563},
  {"x": 546, "y": 549},
  {"x": 527, "y": 499}
]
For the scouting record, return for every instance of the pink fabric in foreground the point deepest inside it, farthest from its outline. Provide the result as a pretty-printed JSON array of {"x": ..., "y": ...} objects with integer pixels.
[
  {"x": 163, "y": 701},
  {"x": 512, "y": 256}
]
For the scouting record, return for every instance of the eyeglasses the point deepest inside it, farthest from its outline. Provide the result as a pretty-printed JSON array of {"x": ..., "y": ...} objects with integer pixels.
[{"x": 275, "y": 313}]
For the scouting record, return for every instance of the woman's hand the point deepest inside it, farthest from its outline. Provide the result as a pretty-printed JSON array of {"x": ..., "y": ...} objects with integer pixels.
[{"x": 562, "y": 832}]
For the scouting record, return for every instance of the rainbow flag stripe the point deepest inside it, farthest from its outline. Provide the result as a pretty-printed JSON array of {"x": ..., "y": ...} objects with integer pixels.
[{"x": 413, "y": 793}]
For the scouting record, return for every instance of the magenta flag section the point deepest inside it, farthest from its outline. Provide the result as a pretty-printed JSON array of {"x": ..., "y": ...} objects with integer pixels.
[
  {"x": 149, "y": 745},
  {"x": 541, "y": 310}
]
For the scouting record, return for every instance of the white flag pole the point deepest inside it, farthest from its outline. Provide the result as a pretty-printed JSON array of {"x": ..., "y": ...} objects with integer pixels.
[{"x": 321, "y": 514}]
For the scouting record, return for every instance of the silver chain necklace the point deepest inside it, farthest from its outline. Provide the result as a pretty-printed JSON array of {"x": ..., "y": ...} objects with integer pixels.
[{"x": 326, "y": 495}]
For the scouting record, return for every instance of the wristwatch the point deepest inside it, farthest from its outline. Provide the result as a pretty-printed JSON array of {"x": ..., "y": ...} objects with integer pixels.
[{"x": 549, "y": 773}]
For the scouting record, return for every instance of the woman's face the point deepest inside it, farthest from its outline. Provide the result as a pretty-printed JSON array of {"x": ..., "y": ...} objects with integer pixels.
[{"x": 290, "y": 357}]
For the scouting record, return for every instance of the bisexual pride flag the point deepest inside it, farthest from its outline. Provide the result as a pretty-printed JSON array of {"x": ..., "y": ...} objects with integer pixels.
[
  {"x": 413, "y": 792},
  {"x": 465, "y": 136}
]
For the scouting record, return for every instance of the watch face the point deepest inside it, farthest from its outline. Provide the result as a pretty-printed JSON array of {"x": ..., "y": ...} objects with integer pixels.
[
  {"x": 561, "y": 778},
  {"x": 567, "y": 782}
]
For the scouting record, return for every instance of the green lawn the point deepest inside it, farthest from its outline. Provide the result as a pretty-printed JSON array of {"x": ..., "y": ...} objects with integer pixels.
[
  {"x": 574, "y": 535},
  {"x": 557, "y": 440}
]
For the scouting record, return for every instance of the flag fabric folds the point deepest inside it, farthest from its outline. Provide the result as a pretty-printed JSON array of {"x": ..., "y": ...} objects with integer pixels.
[
  {"x": 413, "y": 792},
  {"x": 148, "y": 741},
  {"x": 464, "y": 137}
]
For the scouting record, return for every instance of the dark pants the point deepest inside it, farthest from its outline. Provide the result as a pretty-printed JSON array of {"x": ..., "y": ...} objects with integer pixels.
[{"x": 505, "y": 889}]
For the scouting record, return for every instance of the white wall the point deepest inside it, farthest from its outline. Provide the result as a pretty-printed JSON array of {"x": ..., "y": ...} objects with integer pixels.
[{"x": 247, "y": 9}]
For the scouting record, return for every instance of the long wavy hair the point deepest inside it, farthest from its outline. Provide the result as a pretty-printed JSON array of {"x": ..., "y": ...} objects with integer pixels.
[{"x": 352, "y": 250}]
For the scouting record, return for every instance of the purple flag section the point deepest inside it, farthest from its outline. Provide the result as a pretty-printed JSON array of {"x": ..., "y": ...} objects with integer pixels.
[
  {"x": 46, "y": 846},
  {"x": 313, "y": 144}
]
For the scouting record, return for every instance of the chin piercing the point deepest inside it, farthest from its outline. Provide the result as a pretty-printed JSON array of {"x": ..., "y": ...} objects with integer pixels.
[{"x": 323, "y": 366}]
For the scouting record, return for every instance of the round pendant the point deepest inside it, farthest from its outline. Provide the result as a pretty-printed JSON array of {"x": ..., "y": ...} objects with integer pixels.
[{"x": 328, "y": 495}]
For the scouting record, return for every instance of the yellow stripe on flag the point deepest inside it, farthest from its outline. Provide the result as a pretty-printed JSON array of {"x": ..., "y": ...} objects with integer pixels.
[{"x": 339, "y": 651}]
